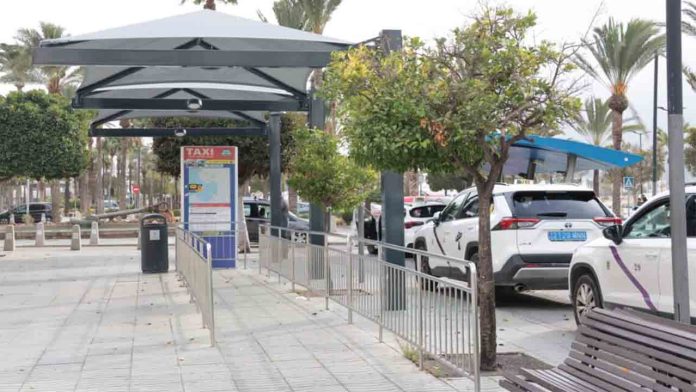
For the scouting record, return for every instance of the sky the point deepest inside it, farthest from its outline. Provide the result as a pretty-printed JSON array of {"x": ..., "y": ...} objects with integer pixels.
[{"x": 358, "y": 20}]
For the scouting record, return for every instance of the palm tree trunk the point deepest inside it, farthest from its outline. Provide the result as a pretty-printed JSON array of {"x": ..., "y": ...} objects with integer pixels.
[
  {"x": 616, "y": 174},
  {"x": 292, "y": 198},
  {"x": 122, "y": 189},
  {"x": 595, "y": 182}
]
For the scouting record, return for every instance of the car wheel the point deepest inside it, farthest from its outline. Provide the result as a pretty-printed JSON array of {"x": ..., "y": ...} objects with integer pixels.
[
  {"x": 586, "y": 296},
  {"x": 426, "y": 284}
]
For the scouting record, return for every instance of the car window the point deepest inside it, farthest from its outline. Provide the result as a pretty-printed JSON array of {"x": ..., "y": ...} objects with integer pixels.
[
  {"x": 691, "y": 216},
  {"x": 653, "y": 223},
  {"x": 559, "y": 205},
  {"x": 470, "y": 209},
  {"x": 36, "y": 207},
  {"x": 450, "y": 212},
  {"x": 425, "y": 211},
  {"x": 247, "y": 210}
]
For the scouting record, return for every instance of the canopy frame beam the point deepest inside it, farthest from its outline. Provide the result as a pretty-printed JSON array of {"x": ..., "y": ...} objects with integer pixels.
[{"x": 180, "y": 132}]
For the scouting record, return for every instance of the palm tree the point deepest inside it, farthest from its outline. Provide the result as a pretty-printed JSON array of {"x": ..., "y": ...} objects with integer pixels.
[
  {"x": 619, "y": 52},
  {"x": 288, "y": 13},
  {"x": 15, "y": 65},
  {"x": 595, "y": 127},
  {"x": 210, "y": 4}
]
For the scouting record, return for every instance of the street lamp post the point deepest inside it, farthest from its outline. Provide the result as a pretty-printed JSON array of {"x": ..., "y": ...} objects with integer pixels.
[
  {"x": 654, "y": 135},
  {"x": 677, "y": 196}
]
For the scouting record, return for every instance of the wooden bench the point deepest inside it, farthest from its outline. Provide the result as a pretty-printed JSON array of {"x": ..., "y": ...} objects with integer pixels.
[{"x": 620, "y": 350}]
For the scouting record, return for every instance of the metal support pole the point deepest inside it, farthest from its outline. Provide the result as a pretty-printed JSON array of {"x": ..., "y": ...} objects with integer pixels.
[
  {"x": 380, "y": 291},
  {"x": 422, "y": 284},
  {"x": 654, "y": 135},
  {"x": 211, "y": 327},
  {"x": 677, "y": 196},
  {"x": 276, "y": 175},
  {"x": 327, "y": 275},
  {"x": 292, "y": 260},
  {"x": 350, "y": 279}
]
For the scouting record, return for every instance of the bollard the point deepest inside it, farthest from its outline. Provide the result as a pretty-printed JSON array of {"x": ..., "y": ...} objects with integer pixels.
[
  {"x": 76, "y": 242},
  {"x": 12, "y": 219},
  {"x": 40, "y": 235},
  {"x": 94, "y": 234},
  {"x": 43, "y": 218},
  {"x": 9, "y": 239}
]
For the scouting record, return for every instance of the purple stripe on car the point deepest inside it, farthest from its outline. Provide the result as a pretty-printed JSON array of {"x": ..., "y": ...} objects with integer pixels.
[{"x": 636, "y": 283}]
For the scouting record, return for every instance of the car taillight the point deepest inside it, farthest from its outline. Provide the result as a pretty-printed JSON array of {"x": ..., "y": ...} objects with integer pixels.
[
  {"x": 607, "y": 221},
  {"x": 410, "y": 224},
  {"x": 516, "y": 223}
]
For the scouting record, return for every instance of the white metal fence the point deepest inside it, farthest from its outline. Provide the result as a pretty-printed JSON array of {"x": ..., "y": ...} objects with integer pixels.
[
  {"x": 194, "y": 264},
  {"x": 437, "y": 317}
]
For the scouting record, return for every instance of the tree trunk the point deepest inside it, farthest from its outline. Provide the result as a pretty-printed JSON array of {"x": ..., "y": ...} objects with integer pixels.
[
  {"x": 41, "y": 190},
  {"x": 486, "y": 284},
  {"x": 56, "y": 200},
  {"x": 595, "y": 182},
  {"x": 66, "y": 197},
  {"x": 122, "y": 187},
  {"x": 616, "y": 174},
  {"x": 411, "y": 183},
  {"x": 99, "y": 178},
  {"x": 292, "y": 199}
]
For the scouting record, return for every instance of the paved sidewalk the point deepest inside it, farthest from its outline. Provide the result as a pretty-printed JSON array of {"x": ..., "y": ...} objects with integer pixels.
[{"x": 90, "y": 321}]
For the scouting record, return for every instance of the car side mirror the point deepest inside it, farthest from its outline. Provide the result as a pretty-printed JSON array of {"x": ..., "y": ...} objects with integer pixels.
[
  {"x": 436, "y": 218},
  {"x": 614, "y": 233}
]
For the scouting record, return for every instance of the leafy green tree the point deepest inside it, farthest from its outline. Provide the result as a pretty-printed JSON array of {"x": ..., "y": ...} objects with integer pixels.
[
  {"x": 288, "y": 13},
  {"x": 211, "y": 4},
  {"x": 448, "y": 181},
  {"x": 43, "y": 137},
  {"x": 322, "y": 175},
  {"x": 617, "y": 52},
  {"x": 689, "y": 148},
  {"x": 456, "y": 107},
  {"x": 254, "y": 156}
]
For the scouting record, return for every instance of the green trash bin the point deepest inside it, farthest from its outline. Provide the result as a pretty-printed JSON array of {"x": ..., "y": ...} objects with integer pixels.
[{"x": 154, "y": 247}]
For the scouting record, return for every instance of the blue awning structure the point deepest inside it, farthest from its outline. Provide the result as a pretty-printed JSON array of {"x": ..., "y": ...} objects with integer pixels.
[{"x": 540, "y": 154}]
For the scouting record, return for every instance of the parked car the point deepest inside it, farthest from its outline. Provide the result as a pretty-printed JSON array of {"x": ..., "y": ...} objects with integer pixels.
[
  {"x": 258, "y": 212},
  {"x": 36, "y": 210},
  {"x": 631, "y": 265},
  {"x": 535, "y": 229},
  {"x": 110, "y": 206}
]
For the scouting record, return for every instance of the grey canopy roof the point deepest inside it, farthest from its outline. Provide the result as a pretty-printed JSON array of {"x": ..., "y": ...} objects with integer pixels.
[{"x": 179, "y": 40}]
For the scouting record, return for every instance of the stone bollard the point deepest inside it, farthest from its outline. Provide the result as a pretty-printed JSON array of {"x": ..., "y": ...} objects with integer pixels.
[
  {"x": 76, "y": 242},
  {"x": 40, "y": 235},
  {"x": 94, "y": 234},
  {"x": 9, "y": 239},
  {"x": 12, "y": 219},
  {"x": 43, "y": 218}
]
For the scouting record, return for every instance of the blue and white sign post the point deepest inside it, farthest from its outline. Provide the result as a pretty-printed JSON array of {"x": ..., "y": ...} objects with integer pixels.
[
  {"x": 209, "y": 198},
  {"x": 629, "y": 182}
]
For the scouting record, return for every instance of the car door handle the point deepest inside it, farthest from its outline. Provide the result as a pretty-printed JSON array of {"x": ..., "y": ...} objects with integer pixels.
[
  {"x": 459, "y": 236},
  {"x": 651, "y": 255}
]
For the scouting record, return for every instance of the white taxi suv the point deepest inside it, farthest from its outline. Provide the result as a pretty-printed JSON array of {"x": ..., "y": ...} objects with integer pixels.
[
  {"x": 535, "y": 230},
  {"x": 631, "y": 265}
]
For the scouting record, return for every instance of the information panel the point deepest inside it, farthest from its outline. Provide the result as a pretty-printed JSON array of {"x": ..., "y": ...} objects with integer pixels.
[{"x": 209, "y": 198}]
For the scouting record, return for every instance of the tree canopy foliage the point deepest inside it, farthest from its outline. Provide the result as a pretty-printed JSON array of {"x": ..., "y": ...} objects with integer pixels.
[
  {"x": 322, "y": 175},
  {"x": 43, "y": 137},
  {"x": 254, "y": 158},
  {"x": 457, "y": 106}
]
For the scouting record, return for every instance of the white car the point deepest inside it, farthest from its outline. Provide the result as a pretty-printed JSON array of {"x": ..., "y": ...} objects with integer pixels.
[
  {"x": 535, "y": 229},
  {"x": 632, "y": 264},
  {"x": 417, "y": 215}
]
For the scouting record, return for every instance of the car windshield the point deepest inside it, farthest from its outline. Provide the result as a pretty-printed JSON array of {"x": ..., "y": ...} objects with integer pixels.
[{"x": 550, "y": 205}]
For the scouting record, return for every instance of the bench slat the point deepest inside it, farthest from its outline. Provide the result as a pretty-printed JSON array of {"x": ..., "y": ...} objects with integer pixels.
[
  {"x": 637, "y": 362},
  {"x": 524, "y": 384},
  {"x": 645, "y": 329},
  {"x": 591, "y": 379},
  {"x": 668, "y": 325},
  {"x": 552, "y": 382},
  {"x": 641, "y": 339},
  {"x": 600, "y": 362},
  {"x": 510, "y": 386},
  {"x": 587, "y": 386},
  {"x": 637, "y": 347},
  {"x": 621, "y": 384}
]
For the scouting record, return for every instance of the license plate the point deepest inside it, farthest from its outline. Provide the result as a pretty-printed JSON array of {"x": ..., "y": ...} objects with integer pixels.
[{"x": 567, "y": 236}]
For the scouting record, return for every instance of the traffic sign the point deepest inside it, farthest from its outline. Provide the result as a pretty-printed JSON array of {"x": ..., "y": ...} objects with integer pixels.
[
  {"x": 629, "y": 182},
  {"x": 136, "y": 189}
]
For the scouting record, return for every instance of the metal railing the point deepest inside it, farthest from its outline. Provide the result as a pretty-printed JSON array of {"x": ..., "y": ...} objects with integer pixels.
[
  {"x": 195, "y": 266},
  {"x": 437, "y": 317}
]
